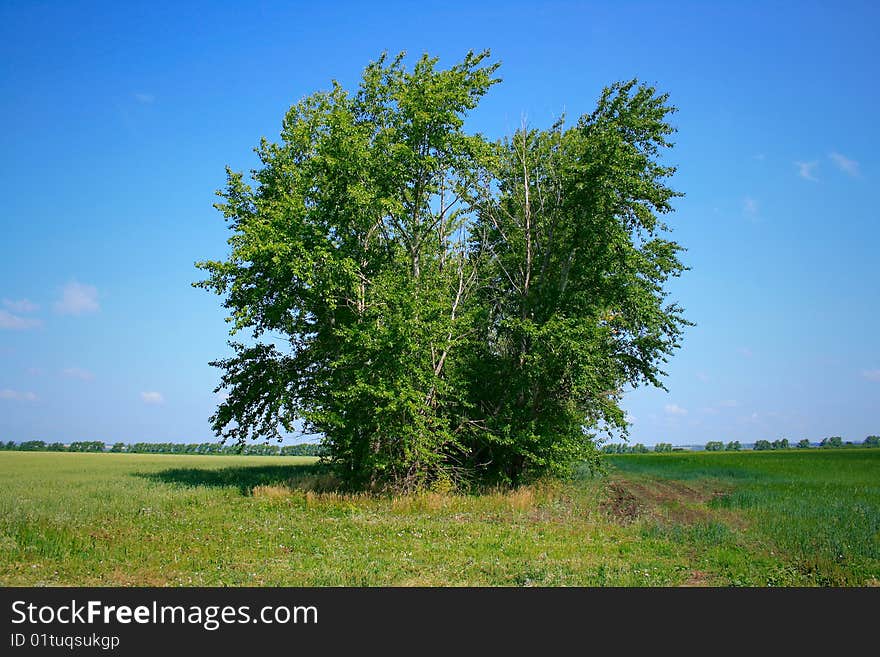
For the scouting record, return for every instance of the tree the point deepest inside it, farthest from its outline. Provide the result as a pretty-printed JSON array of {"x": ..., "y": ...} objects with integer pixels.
[
  {"x": 455, "y": 308},
  {"x": 32, "y": 446},
  {"x": 803, "y": 443},
  {"x": 86, "y": 446},
  {"x": 872, "y": 441},
  {"x": 733, "y": 446},
  {"x": 832, "y": 441},
  {"x": 571, "y": 319},
  {"x": 714, "y": 446},
  {"x": 780, "y": 444},
  {"x": 353, "y": 247},
  {"x": 763, "y": 445},
  {"x": 663, "y": 447}
]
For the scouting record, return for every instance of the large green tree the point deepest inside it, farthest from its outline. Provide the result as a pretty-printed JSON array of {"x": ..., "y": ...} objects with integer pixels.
[
  {"x": 439, "y": 307},
  {"x": 574, "y": 285}
]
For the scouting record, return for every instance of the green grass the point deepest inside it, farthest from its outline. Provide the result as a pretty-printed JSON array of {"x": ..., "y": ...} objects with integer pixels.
[
  {"x": 817, "y": 511},
  {"x": 799, "y": 518}
]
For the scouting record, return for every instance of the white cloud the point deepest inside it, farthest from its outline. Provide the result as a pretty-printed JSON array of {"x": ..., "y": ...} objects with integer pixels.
[
  {"x": 221, "y": 396},
  {"x": 675, "y": 409},
  {"x": 145, "y": 99},
  {"x": 77, "y": 298},
  {"x": 17, "y": 395},
  {"x": 20, "y": 306},
  {"x": 16, "y": 323},
  {"x": 750, "y": 206},
  {"x": 806, "y": 170},
  {"x": 152, "y": 397},
  {"x": 77, "y": 373},
  {"x": 871, "y": 375},
  {"x": 848, "y": 166}
]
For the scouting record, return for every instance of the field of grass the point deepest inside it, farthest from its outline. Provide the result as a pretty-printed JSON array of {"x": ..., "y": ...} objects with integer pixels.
[
  {"x": 815, "y": 514},
  {"x": 809, "y": 517}
]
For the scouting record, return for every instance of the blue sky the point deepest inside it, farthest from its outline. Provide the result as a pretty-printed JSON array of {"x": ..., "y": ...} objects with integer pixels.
[{"x": 118, "y": 118}]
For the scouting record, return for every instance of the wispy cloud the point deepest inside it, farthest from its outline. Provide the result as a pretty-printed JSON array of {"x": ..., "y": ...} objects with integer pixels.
[
  {"x": 675, "y": 409},
  {"x": 750, "y": 206},
  {"x": 77, "y": 299},
  {"x": 16, "y": 323},
  {"x": 745, "y": 351},
  {"x": 871, "y": 375},
  {"x": 848, "y": 166},
  {"x": 20, "y": 306},
  {"x": 145, "y": 99},
  {"x": 17, "y": 395},
  {"x": 77, "y": 373},
  {"x": 152, "y": 397},
  {"x": 807, "y": 170}
]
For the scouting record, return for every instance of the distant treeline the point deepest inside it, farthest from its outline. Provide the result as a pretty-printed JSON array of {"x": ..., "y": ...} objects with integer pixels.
[
  {"x": 826, "y": 443},
  {"x": 735, "y": 446},
  {"x": 313, "y": 449},
  {"x": 302, "y": 449},
  {"x": 639, "y": 448}
]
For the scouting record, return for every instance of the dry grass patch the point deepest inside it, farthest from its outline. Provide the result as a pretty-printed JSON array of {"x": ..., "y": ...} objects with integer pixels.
[
  {"x": 272, "y": 492},
  {"x": 627, "y": 500}
]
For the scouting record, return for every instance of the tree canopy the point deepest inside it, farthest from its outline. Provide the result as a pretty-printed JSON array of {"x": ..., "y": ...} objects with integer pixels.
[{"x": 440, "y": 307}]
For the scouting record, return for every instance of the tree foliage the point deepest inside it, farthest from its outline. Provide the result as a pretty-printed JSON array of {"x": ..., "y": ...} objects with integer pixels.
[{"x": 450, "y": 308}]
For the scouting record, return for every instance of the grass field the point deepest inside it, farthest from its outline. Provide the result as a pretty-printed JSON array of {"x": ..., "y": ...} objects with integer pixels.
[{"x": 802, "y": 518}]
